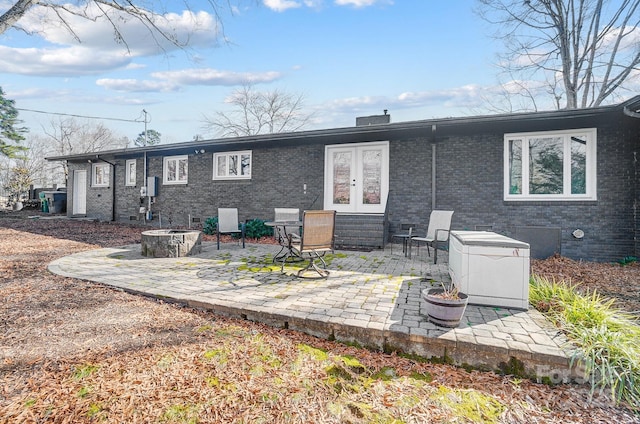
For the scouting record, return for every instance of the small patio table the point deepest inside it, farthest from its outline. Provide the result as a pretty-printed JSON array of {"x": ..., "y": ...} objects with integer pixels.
[
  {"x": 281, "y": 235},
  {"x": 405, "y": 237}
]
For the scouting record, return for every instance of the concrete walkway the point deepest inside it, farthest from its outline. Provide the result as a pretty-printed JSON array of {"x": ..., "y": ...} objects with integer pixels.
[{"x": 370, "y": 298}]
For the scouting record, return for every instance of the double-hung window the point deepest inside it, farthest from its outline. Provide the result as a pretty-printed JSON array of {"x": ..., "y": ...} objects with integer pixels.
[
  {"x": 555, "y": 165},
  {"x": 101, "y": 174},
  {"x": 232, "y": 165},
  {"x": 130, "y": 172},
  {"x": 176, "y": 169}
]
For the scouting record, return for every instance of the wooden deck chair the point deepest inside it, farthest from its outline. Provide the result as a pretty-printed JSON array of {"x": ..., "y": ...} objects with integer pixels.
[
  {"x": 228, "y": 224},
  {"x": 437, "y": 233},
  {"x": 316, "y": 240}
]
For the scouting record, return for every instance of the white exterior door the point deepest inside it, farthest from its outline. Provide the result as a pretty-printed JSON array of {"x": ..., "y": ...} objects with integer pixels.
[
  {"x": 79, "y": 192},
  {"x": 357, "y": 177}
]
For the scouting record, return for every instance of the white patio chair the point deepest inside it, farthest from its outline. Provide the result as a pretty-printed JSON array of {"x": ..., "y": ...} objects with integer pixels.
[{"x": 228, "y": 224}]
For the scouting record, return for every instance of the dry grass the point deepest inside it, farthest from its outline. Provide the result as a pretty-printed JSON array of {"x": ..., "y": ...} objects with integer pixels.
[{"x": 74, "y": 351}]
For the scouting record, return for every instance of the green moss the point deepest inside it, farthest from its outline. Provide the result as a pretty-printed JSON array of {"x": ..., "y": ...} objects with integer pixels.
[
  {"x": 84, "y": 392},
  {"x": 353, "y": 364},
  {"x": 426, "y": 377},
  {"x": 204, "y": 328},
  {"x": 187, "y": 414},
  {"x": 384, "y": 374},
  {"x": 514, "y": 367},
  {"x": 84, "y": 371},
  {"x": 338, "y": 372},
  {"x": 315, "y": 353},
  {"x": 469, "y": 405},
  {"x": 94, "y": 409}
]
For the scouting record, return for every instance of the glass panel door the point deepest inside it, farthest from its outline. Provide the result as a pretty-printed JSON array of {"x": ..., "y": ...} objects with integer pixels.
[
  {"x": 357, "y": 177},
  {"x": 340, "y": 189}
]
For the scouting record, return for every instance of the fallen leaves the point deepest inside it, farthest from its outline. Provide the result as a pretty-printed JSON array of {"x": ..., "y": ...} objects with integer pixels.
[{"x": 75, "y": 351}]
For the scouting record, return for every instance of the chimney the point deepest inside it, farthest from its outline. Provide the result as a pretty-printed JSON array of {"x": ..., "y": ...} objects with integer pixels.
[{"x": 373, "y": 119}]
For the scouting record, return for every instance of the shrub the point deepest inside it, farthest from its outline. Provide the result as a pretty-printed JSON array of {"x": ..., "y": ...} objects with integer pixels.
[
  {"x": 210, "y": 225},
  {"x": 608, "y": 339},
  {"x": 254, "y": 228}
]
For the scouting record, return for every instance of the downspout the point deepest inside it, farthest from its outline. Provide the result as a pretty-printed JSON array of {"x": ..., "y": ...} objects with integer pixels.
[
  {"x": 433, "y": 166},
  {"x": 144, "y": 183},
  {"x": 634, "y": 114}
]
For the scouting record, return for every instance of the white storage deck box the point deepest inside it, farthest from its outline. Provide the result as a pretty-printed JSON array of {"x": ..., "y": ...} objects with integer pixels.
[{"x": 490, "y": 268}]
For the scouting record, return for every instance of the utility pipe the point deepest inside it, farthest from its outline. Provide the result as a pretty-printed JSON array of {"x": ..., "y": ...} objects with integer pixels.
[{"x": 433, "y": 167}]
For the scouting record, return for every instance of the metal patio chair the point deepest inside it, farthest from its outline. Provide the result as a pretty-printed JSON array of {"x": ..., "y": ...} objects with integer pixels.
[
  {"x": 281, "y": 232},
  {"x": 437, "y": 233},
  {"x": 316, "y": 240},
  {"x": 228, "y": 224}
]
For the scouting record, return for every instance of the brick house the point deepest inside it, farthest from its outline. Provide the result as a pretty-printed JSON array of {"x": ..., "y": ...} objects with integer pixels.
[{"x": 565, "y": 181}]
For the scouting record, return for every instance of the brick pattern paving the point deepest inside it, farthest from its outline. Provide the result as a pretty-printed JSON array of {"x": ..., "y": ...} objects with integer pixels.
[{"x": 370, "y": 298}]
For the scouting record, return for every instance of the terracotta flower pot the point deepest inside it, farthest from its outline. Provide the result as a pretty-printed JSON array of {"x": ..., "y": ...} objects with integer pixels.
[{"x": 443, "y": 310}]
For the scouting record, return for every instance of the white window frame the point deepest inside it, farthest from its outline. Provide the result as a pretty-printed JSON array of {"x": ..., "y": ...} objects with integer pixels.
[
  {"x": 165, "y": 169},
  {"x": 130, "y": 172},
  {"x": 591, "y": 166},
  {"x": 227, "y": 159},
  {"x": 100, "y": 178}
]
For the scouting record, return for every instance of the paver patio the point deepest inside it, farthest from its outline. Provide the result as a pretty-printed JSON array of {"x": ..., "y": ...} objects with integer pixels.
[{"x": 370, "y": 298}]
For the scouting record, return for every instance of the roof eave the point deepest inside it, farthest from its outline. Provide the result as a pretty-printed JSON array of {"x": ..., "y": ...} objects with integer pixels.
[{"x": 379, "y": 131}]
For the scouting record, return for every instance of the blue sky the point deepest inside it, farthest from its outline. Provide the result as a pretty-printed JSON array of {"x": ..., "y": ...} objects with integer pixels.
[{"x": 418, "y": 59}]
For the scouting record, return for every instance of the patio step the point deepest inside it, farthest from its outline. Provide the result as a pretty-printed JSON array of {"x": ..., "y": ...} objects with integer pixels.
[{"x": 360, "y": 231}]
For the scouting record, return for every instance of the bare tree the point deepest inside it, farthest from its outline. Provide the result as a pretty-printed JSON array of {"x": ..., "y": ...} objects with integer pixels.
[
  {"x": 584, "y": 52},
  {"x": 68, "y": 136},
  {"x": 256, "y": 112},
  {"x": 116, "y": 12}
]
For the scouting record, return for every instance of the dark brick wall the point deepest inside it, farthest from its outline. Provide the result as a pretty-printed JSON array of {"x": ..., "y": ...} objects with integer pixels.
[
  {"x": 278, "y": 178},
  {"x": 99, "y": 199},
  {"x": 469, "y": 180}
]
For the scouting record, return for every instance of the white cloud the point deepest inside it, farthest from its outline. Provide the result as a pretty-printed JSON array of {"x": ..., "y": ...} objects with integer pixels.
[
  {"x": 361, "y": 3},
  {"x": 70, "y": 61},
  {"x": 192, "y": 28},
  {"x": 215, "y": 77},
  {"x": 459, "y": 97},
  {"x": 173, "y": 80},
  {"x": 281, "y": 5},
  {"x": 136, "y": 86},
  {"x": 98, "y": 50}
]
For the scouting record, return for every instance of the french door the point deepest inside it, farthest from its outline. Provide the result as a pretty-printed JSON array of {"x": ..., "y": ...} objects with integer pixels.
[{"x": 357, "y": 177}]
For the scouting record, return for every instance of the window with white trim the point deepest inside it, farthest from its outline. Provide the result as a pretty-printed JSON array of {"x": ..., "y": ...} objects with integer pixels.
[
  {"x": 101, "y": 172},
  {"x": 232, "y": 165},
  {"x": 554, "y": 165},
  {"x": 130, "y": 172},
  {"x": 176, "y": 169}
]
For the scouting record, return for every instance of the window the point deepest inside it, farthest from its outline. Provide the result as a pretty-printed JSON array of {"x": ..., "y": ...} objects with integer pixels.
[
  {"x": 232, "y": 165},
  {"x": 559, "y": 165},
  {"x": 101, "y": 172},
  {"x": 176, "y": 170},
  {"x": 130, "y": 172}
]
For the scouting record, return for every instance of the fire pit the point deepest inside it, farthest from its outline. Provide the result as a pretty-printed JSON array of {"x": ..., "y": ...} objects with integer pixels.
[{"x": 171, "y": 243}]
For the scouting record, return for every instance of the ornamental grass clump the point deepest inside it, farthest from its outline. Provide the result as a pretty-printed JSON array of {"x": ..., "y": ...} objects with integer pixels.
[{"x": 608, "y": 339}]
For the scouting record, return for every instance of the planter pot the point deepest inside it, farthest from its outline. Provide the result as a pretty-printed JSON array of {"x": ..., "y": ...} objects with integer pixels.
[{"x": 444, "y": 312}]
